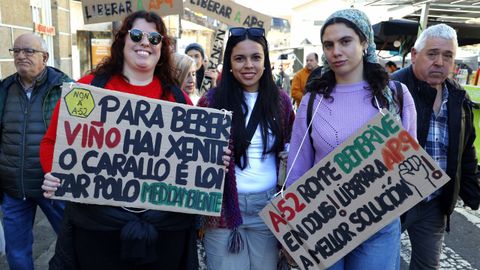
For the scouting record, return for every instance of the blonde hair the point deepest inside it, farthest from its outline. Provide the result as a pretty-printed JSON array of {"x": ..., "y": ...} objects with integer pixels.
[{"x": 182, "y": 64}]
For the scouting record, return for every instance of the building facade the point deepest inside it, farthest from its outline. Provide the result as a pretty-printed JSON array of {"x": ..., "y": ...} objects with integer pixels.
[{"x": 49, "y": 19}]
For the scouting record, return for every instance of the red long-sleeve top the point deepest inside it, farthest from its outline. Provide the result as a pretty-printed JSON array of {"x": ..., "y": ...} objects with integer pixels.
[{"x": 117, "y": 83}]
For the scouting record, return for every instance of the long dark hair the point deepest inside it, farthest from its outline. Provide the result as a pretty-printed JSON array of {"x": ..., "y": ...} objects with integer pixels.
[
  {"x": 114, "y": 64},
  {"x": 373, "y": 73},
  {"x": 229, "y": 96}
]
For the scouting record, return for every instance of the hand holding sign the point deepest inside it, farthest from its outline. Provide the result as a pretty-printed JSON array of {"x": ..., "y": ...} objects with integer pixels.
[
  {"x": 212, "y": 74},
  {"x": 50, "y": 185},
  {"x": 226, "y": 159}
]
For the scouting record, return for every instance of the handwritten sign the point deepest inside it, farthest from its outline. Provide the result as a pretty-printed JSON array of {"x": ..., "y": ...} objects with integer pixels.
[
  {"x": 230, "y": 13},
  {"x": 119, "y": 149},
  {"x": 96, "y": 11},
  {"x": 161, "y": 7},
  {"x": 373, "y": 177},
  {"x": 215, "y": 56}
]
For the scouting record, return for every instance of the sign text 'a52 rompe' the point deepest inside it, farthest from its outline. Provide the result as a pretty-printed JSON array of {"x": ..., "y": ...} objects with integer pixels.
[{"x": 370, "y": 179}]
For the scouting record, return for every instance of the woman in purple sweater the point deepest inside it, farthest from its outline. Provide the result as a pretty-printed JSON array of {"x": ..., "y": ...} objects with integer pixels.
[{"x": 347, "y": 93}]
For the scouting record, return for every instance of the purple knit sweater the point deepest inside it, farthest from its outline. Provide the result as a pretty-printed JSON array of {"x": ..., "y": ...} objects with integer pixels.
[
  {"x": 230, "y": 216},
  {"x": 334, "y": 122}
]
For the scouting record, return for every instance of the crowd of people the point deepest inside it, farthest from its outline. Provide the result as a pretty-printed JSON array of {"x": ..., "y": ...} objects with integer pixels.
[{"x": 347, "y": 89}]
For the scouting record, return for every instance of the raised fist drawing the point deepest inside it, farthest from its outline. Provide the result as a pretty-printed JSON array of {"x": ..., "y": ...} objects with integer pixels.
[{"x": 412, "y": 170}]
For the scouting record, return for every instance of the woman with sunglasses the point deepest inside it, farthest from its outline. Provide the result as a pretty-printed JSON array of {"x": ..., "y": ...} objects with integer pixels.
[
  {"x": 105, "y": 237},
  {"x": 352, "y": 89},
  {"x": 261, "y": 126}
]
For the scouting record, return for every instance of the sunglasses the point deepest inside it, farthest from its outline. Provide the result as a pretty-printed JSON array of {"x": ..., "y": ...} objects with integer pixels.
[
  {"x": 137, "y": 35},
  {"x": 252, "y": 31}
]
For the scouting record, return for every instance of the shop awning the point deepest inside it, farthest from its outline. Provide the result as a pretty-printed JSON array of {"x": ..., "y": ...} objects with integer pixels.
[{"x": 400, "y": 35}]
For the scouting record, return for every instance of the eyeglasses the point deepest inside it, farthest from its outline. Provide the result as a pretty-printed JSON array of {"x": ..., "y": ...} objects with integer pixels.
[
  {"x": 137, "y": 35},
  {"x": 26, "y": 51},
  {"x": 252, "y": 31}
]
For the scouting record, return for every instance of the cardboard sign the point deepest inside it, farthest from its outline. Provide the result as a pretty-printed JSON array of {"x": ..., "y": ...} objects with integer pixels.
[
  {"x": 119, "y": 149},
  {"x": 97, "y": 11},
  {"x": 215, "y": 56},
  {"x": 373, "y": 177},
  {"x": 230, "y": 13},
  {"x": 161, "y": 7},
  {"x": 106, "y": 10}
]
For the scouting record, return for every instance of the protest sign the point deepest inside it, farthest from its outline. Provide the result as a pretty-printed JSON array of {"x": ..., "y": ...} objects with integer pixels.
[
  {"x": 106, "y": 10},
  {"x": 215, "y": 56},
  {"x": 161, "y": 7},
  {"x": 119, "y": 149},
  {"x": 97, "y": 11},
  {"x": 373, "y": 177},
  {"x": 230, "y": 13}
]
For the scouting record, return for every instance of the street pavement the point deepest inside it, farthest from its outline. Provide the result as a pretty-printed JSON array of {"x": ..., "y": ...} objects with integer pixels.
[{"x": 461, "y": 249}]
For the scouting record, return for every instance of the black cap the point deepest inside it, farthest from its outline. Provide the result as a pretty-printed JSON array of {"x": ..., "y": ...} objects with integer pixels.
[{"x": 195, "y": 46}]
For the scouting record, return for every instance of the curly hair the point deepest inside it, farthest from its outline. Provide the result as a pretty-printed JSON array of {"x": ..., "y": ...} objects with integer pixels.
[{"x": 114, "y": 64}]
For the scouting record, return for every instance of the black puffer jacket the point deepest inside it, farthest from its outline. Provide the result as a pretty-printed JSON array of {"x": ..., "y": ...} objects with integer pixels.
[
  {"x": 23, "y": 124},
  {"x": 461, "y": 159}
]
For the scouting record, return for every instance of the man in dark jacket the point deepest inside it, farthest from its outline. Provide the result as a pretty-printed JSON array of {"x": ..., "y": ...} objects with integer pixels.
[
  {"x": 445, "y": 130},
  {"x": 27, "y": 100}
]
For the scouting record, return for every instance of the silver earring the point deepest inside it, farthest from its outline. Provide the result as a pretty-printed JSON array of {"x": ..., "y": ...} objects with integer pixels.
[{"x": 231, "y": 70}]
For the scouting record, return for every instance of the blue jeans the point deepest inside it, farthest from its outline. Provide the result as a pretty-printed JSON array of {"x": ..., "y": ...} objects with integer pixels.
[
  {"x": 260, "y": 250},
  {"x": 18, "y": 219},
  {"x": 379, "y": 252}
]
